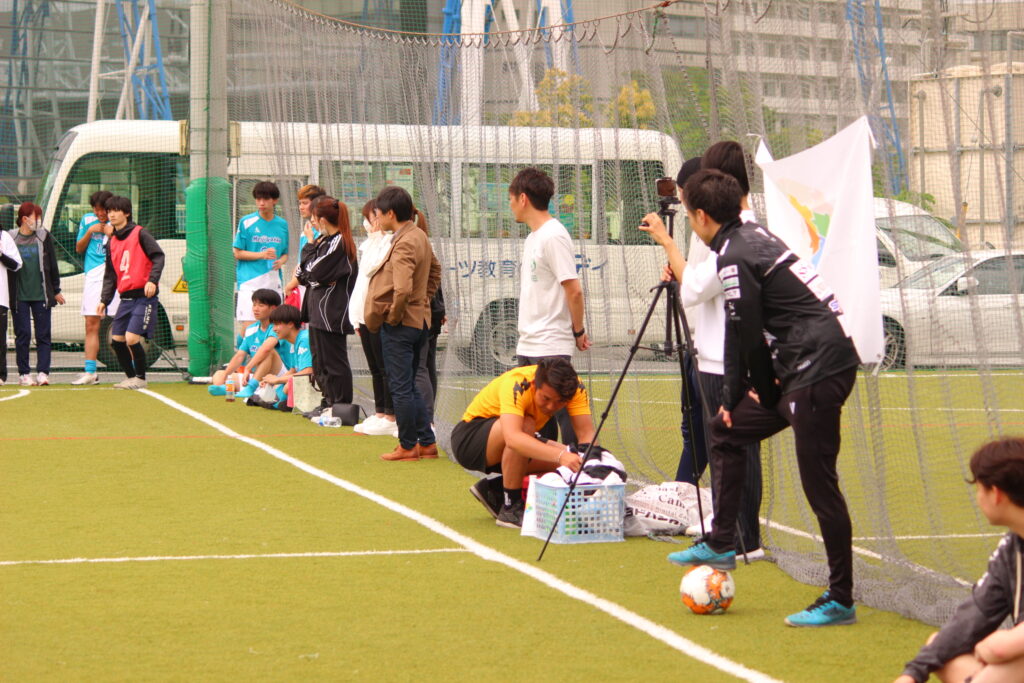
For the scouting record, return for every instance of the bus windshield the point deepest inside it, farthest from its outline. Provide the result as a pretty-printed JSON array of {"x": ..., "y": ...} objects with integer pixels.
[{"x": 52, "y": 171}]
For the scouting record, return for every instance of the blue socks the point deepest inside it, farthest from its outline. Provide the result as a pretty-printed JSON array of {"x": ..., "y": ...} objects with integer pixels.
[{"x": 90, "y": 367}]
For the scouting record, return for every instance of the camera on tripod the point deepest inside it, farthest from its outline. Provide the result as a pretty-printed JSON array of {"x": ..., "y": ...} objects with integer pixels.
[{"x": 667, "y": 196}]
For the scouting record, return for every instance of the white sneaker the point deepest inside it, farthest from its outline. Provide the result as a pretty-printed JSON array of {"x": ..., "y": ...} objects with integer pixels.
[
  {"x": 42, "y": 379},
  {"x": 26, "y": 381},
  {"x": 126, "y": 383},
  {"x": 379, "y": 427},
  {"x": 86, "y": 378},
  {"x": 752, "y": 555},
  {"x": 368, "y": 422},
  {"x": 137, "y": 383},
  {"x": 694, "y": 529}
]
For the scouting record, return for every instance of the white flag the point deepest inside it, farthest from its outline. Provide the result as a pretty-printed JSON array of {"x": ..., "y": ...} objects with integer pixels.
[{"x": 821, "y": 204}]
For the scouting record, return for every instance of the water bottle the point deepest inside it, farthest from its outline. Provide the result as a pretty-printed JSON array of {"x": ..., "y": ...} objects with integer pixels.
[
  {"x": 327, "y": 420},
  {"x": 229, "y": 389}
]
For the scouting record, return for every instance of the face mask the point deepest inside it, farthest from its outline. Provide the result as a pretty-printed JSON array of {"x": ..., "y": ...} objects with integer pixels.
[{"x": 367, "y": 226}]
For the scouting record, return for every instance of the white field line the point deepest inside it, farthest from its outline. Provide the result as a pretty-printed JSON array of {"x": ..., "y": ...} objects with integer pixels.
[
  {"x": 882, "y": 408},
  {"x": 20, "y": 394},
  {"x": 920, "y": 569},
  {"x": 183, "y": 558},
  {"x": 656, "y": 631},
  {"x": 934, "y": 537}
]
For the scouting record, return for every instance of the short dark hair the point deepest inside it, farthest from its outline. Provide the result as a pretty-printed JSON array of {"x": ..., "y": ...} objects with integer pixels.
[
  {"x": 395, "y": 198},
  {"x": 1000, "y": 463},
  {"x": 286, "y": 314},
  {"x": 266, "y": 190},
  {"x": 728, "y": 157},
  {"x": 266, "y": 296},
  {"x": 118, "y": 203},
  {"x": 537, "y": 185},
  {"x": 99, "y": 198},
  {"x": 686, "y": 171},
  {"x": 558, "y": 374},
  {"x": 714, "y": 192}
]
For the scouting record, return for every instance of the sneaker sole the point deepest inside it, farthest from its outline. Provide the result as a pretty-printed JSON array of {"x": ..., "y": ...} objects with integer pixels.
[
  {"x": 476, "y": 494},
  {"x": 843, "y": 622},
  {"x": 720, "y": 565},
  {"x": 507, "y": 525}
]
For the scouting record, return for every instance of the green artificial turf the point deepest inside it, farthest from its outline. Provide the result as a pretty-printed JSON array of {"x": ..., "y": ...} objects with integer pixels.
[{"x": 118, "y": 474}]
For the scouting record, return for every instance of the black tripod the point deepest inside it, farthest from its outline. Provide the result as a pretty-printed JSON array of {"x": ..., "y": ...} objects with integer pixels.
[{"x": 678, "y": 340}]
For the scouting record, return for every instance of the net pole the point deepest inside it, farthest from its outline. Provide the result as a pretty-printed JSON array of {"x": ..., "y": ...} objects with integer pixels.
[{"x": 207, "y": 208}]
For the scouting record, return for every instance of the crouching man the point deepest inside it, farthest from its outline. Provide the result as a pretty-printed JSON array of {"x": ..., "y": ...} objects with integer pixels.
[
  {"x": 498, "y": 432},
  {"x": 971, "y": 646}
]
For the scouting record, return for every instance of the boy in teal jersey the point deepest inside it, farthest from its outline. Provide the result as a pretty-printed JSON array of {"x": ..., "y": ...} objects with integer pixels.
[
  {"x": 292, "y": 348},
  {"x": 264, "y": 301},
  {"x": 91, "y": 242},
  {"x": 260, "y": 248}
]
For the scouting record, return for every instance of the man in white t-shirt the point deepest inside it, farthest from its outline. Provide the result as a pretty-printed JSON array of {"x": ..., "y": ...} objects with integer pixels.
[{"x": 550, "y": 294}]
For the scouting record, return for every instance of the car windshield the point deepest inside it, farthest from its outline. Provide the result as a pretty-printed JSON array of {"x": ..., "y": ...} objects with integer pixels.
[
  {"x": 920, "y": 238},
  {"x": 937, "y": 274}
]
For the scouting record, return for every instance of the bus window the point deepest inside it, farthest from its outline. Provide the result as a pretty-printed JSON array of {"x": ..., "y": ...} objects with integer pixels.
[
  {"x": 485, "y": 209},
  {"x": 155, "y": 183},
  {"x": 355, "y": 182},
  {"x": 629, "y": 194}
]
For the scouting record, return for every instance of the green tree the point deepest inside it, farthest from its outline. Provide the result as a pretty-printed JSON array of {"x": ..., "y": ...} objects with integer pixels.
[
  {"x": 564, "y": 102},
  {"x": 633, "y": 107}
]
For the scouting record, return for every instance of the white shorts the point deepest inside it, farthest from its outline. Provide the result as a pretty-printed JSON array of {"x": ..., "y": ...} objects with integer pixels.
[
  {"x": 92, "y": 289},
  {"x": 243, "y": 304}
]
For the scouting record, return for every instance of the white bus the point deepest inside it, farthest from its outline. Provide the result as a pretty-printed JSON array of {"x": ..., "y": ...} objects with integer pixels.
[{"x": 605, "y": 183}]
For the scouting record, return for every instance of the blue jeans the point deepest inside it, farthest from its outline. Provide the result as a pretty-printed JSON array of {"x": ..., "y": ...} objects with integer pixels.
[
  {"x": 402, "y": 347},
  {"x": 27, "y": 313}
]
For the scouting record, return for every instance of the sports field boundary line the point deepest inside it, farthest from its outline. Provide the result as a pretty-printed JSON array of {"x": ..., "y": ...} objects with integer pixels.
[
  {"x": 21, "y": 394},
  {"x": 248, "y": 556},
  {"x": 642, "y": 624}
]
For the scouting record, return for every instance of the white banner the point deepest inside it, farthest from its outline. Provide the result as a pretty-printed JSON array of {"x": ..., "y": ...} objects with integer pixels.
[{"x": 821, "y": 204}]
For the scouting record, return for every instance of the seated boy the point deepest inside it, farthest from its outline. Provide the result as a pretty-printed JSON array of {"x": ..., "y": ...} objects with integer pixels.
[
  {"x": 498, "y": 432},
  {"x": 292, "y": 348},
  {"x": 969, "y": 646},
  {"x": 264, "y": 301}
]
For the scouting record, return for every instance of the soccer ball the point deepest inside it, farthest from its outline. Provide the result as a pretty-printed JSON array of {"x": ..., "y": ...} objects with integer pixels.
[{"x": 706, "y": 590}]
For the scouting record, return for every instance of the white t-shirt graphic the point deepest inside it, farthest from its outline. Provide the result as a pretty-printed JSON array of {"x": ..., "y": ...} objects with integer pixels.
[{"x": 545, "y": 324}]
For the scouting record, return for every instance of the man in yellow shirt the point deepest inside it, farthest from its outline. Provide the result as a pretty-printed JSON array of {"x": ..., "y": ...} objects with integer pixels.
[{"x": 498, "y": 431}]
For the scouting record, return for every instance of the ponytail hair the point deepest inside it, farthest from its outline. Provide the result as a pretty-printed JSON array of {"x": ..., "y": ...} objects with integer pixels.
[
  {"x": 336, "y": 213},
  {"x": 421, "y": 220}
]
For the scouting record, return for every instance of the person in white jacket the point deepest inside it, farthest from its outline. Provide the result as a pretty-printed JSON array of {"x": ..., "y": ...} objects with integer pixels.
[
  {"x": 701, "y": 294},
  {"x": 10, "y": 260},
  {"x": 371, "y": 252}
]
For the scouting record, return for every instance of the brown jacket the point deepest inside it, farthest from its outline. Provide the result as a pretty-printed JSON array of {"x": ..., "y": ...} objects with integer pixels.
[{"x": 403, "y": 285}]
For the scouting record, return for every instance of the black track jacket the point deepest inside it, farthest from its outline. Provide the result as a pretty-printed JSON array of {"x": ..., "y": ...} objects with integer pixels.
[{"x": 782, "y": 320}]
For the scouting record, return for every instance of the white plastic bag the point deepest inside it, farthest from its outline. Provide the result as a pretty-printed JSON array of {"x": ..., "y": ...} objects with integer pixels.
[
  {"x": 665, "y": 509},
  {"x": 530, "y": 511}
]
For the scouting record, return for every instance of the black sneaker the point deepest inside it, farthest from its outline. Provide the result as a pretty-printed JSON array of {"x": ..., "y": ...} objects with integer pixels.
[
  {"x": 485, "y": 493},
  {"x": 511, "y": 516}
]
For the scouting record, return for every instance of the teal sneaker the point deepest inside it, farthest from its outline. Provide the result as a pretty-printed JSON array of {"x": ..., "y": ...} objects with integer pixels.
[
  {"x": 248, "y": 390},
  {"x": 824, "y": 612},
  {"x": 216, "y": 389},
  {"x": 701, "y": 553}
]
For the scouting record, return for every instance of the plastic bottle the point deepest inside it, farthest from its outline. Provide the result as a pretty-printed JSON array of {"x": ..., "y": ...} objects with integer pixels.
[
  {"x": 229, "y": 389},
  {"x": 327, "y": 421}
]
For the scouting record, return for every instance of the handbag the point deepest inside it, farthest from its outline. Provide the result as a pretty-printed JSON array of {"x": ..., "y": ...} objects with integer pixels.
[{"x": 347, "y": 412}]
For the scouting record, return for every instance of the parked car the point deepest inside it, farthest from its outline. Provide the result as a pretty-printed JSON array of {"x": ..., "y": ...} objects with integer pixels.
[
  {"x": 909, "y": 238},
  {"x": 172, "y": 316},
  {"x": 962, "y": 309}
]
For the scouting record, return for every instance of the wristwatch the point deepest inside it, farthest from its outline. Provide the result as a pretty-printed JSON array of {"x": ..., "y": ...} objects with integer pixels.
[{"x": 579, "y": 334}]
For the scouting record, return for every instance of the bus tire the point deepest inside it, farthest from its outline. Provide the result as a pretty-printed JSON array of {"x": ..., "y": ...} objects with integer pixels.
[
  {"x": 162, "y": 340},
  {"x": 494, "y": 339}
]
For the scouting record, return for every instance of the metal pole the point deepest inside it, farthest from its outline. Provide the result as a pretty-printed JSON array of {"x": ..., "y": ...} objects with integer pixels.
[
  {"x": 981, "y": 165},
  {"x": 1008, "y": 141},
  {"x": 208, "y": 109},
  {"x": 124, "y": 104},
  {"x": 97, "y": 54}
]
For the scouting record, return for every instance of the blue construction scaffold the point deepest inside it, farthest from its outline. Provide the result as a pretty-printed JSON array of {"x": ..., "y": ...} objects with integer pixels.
[
  {"x": 148, "y": 78},
  {"x": 28, "y": 17},
  {"x": 882, "y": 120}
]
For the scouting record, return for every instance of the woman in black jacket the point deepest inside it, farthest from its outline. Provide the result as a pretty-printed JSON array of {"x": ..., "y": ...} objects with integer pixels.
[
  {"x": 328, "y": 270},
  {"x": 34, "y": 290}
]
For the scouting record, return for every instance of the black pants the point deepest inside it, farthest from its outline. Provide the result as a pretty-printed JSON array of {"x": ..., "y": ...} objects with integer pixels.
[
  {"x": 3, "y": 343},
  {"x": 375, "y": 359},
  {"x": 814, "y": 414},
  {"x": 331, "y": 368},
  {"x": 696, "y": 446},
  {"x": 561, "y": 420}
]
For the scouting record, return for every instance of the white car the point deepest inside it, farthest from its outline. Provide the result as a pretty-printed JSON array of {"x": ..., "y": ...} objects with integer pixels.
[
  {"x": 68, "y": 326},
  {"x": 962, "y": 309},
  {"x": 909, "y": 238}
]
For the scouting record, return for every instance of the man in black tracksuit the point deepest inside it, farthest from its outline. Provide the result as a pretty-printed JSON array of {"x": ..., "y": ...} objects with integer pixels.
[{"x": 788, "y": 363}]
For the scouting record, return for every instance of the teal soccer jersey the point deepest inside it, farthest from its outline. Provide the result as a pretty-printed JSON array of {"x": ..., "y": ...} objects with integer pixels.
[
  {"x": 95, "y": 255},
  {"x": 256, "y": 234},
  {"x": 296, "y": 355},
  {"x": 254, "y": 338}
]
